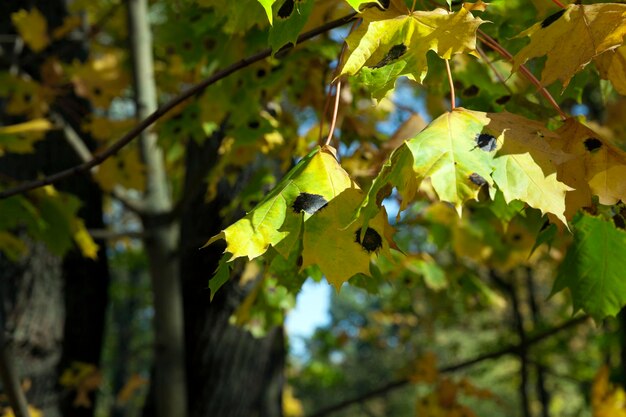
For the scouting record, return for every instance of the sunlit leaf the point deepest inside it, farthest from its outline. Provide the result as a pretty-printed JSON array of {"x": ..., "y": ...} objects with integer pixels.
[
  {"x": 572, "y": 37},
  {"x": 32, "y": 27}
]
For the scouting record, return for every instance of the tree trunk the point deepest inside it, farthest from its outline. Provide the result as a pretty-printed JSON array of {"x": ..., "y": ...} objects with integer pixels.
[
  {"x": 55, "y": 307},
  {"x": 230, "y": 373},
  {"x": 162, "y": 242}
]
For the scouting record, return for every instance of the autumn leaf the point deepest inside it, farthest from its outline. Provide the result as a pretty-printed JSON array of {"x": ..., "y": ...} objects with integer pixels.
[
  {"x": 337, "y": 244},
  {"x": 21, "y": 137},
  {"x": 392, "y": 43},
  {"x": 612, "y": 66},
  {"x": 307, "y": 188},
  {"x": 267, "y": 6},
  {"x": 607, "y": 400},
  {"x": 573, "y": 37},
  {"x": 598, "y": 168},
  {"x": 32, "y": 27},
  {"x": 447, "y": 152},
  {"x": 525, "y": 164},
  {"x": 593, "y": 268}
]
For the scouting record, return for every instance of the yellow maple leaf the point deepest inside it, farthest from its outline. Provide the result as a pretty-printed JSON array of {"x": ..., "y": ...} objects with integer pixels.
[
  {"x": 32, "y": 411},
  {"x": 84, "y": 241},
  {"x": 21, "y": 137},
  {"x": 573, "y": 37},
  {"x": 125, "y": 169},
  {"x": 612, "y": 66},
  {"x": 598, "y": 168},
  {"x": 101, "y": 79},
  {"x": 32, "y": 27},
  {"x": 607, "y": 400},
  {"x": 396, "y": 41},
  {"x": 333, "y": 241}
]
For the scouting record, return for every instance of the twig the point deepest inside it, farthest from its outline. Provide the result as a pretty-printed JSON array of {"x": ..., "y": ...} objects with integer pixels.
[
  {"x": 156, "y": 115},
  {"x": 452, "y": 96},
  {"x": 104, "y": 234},
  {"x": 78, "y": 145},
  {"x": 493, "y": 44},
  {"x": 335, "y": 111},
  {"x": 512, "y": 349},
  {"x": 499, "y": 76},
  {"x": 558, "y": 3}
]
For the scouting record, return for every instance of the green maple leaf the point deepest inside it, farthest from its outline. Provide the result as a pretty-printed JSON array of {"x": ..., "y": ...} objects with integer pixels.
[
  {"x": 593, "y": 268},
  {"x": 394, "y": 42},
  {"x": 447, "y": 153},
  {"x": 277, "y": 219},
  {"x": 286, "y": 29},
  {"x": 463, "y": 150}
]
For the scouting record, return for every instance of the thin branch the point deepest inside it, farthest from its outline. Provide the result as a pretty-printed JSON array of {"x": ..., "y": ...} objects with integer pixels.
[
  {"x": 499, "y": 76},
  {"x": 452, "y": 96},
  {"x": 104, "y": 234},
  {"x": 80, "y": 148},
  {"x": 493, "y": 44},
  {"x": 335, "y": 111},
  {"x": 161, "y": 111},
  {"x": 512, "y": 349}
]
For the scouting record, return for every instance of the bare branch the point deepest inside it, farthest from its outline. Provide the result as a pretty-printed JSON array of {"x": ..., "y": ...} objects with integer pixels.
[{"x": 161, "y": 111}]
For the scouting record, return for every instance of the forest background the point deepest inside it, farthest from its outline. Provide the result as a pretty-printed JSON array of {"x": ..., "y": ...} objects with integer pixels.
[{"x": 173, "y": 172}]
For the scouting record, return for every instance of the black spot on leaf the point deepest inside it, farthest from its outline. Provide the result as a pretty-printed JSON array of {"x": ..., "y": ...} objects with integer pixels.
[
  {"x": 309, "y": 203},
  {"x": 286, "y": 9},
  {"x": 299, "y": 261},
  {"x": 486, "y": 142},
  {"x": 516, "y": 237},
  {"x": 471, "y": 91},
  {"x": 477, "y": 179},
  {"x": 254, "y": 124},
  {"x": 96, "y": 92},
  {"x": 552, "y": 18},
  {"x": 261, "y": 73},
  {"x": 371, "y": 241},
  {"x": 503, "y": 100},
  {"x": 592, "y": 144},
  {"x": 394, "y": 53},
  {"x": 209, "y": 44},
  {"x": 28, "y": 98}
]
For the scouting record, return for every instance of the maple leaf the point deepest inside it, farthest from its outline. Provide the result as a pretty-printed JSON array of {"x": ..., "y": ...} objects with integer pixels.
[
  {"x": 593, "y": 268},
  {"x": 334, "y": 243},
  {"x": 21, "y": 137},
  {"x": 572, "y": 37},
  {"x": 446, "y": 152},
  {"x": 287, "y": 27},
  {"x": 267, "y": 6},
  {"x": 394, "y": 42},
  {"x": 598, "y": 168},
  {"x": 612, "y": 66},
  {"x": 277, "y": 219},
  {"x": 525, "y": 164},
  {"x": 32, "y": 27}
]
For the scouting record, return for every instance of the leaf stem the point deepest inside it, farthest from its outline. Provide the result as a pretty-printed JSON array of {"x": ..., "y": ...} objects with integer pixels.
[
  {"x": 166, "y": 108},
  {"x": 558, "y": 3},
  {"x": 493, "y": 44},
  {"x": 452, "y": 95},
  {"x": 335, "y": 111}
]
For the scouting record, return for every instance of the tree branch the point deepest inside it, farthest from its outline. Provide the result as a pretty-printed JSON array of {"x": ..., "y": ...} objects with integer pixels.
[
  {"x": 512, "y": 349},
  {"x": 161, "y": 111}
]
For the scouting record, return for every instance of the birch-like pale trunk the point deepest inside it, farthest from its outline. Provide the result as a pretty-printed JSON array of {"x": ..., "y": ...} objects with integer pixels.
[{"x": 162, "y": 232}]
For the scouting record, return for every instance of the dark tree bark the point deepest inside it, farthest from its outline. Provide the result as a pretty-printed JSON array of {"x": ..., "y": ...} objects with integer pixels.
[
  {"x": 229, "y": 372},
  {"x": 55, "y": 307}
]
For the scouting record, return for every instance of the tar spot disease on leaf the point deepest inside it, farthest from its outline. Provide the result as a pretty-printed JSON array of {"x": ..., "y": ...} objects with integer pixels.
[
  {"x": 552, "y": 18},
  {"x": 286, "y": 9},
  {"x": 371, "y": 241},
  {"x": 592, "y": 144},
  {"x": 309, "y": 203},
  {"x": 486, "y": 142},
  {"x": 394, "y": 53},
  {"x": 477, "y": 179}
]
